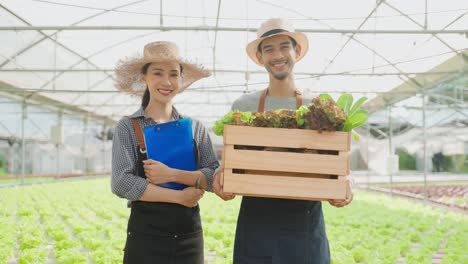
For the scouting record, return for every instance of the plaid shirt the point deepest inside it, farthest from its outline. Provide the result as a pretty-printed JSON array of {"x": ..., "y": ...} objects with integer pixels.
[{"x": 125, "y": 183}]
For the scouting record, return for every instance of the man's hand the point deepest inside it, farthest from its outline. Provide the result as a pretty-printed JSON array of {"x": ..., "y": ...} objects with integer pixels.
[
  {"x": 218, "y": 188},
  {"x": 157, "y": 172},
  {"x": 349, "y": 196}
]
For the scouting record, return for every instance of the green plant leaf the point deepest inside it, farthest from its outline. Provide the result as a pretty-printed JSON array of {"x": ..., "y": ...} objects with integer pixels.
[
  {"x": 358, "y": 120},
  {"x": 227, "y": 117},
  {"x": 302, "y": 110},
  {"x": 344, "y": 102},
  {"x": 360, "y": 112},
  {"x": 325, "y": 97},
  {"x": 355, "y": 136},
  {"x": 218, "y": 128},
  {"x": 357, "y": 106},
  {"x": 246, "y": 116}
]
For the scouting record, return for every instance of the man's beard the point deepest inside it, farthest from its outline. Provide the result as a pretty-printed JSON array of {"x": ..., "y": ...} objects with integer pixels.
[{"x": 281, "y": 76}]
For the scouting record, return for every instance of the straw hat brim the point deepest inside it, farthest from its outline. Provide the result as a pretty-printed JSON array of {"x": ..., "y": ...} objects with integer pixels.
[
  {"x": 128, "y": 74},
  {"x": 299, "y": 37}
]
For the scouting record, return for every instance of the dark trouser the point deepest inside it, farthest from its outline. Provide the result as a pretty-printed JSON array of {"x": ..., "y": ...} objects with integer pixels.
[
  {"x": 164, "y": 233},
  {"x": 279, "y": 231}
]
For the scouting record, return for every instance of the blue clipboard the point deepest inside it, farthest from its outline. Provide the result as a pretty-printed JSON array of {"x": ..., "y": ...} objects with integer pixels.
[{"x": 172, "y": 144}]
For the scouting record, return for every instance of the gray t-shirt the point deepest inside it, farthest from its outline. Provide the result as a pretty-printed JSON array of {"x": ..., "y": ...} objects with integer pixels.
[{"x": 249, "y": 102}]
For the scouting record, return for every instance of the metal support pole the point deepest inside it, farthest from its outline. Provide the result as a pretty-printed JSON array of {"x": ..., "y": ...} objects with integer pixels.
[
  {"x": 424, "y": 145},
  {"x": 247, "y": 73},
  {"x": 104, "y": 139},
  {"x": 367, "y": 153},
  {"x": 83, "y": 145},
  {"x": 23, "y": 142},
  {"x": 11, "y": 167},
  {"x": 57, "y": 145},
  {"x": 55, "y": 61},
  {"x": 161, "y": 20},
  {"x": 216, "y": 38},
  {"x": 390, "y": 147},
  {"x": 425, "y": 15},
  {"x": 32, "y": 161}
]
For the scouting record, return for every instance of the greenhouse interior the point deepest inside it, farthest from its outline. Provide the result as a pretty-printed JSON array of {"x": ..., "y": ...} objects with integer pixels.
[{"x": 60, "y": 106}]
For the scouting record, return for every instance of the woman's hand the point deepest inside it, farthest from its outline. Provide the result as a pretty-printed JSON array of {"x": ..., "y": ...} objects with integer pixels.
[
  {"x": 157, "y": 172},
  {"x": 190, "y": 196}
]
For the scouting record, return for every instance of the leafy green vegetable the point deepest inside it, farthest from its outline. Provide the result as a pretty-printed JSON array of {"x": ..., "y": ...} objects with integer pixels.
[
  {"x": 386, "y": 225},
  {"x": 280, "y": 118},
  {"x": 356, "y": 106},
  {"x": 345, "y": 101},
  {"x": 232, "y": 118},
  {"x": 302, "y": 110},
  {"x": 325, "y": 97},
  {"x": 322, "y": 114},
  {"x": 356, "y": 120},
  {"x": 355, "y": 136},
  {"x": 355, "y": 116},
  {"x": 32, "y": 255}
]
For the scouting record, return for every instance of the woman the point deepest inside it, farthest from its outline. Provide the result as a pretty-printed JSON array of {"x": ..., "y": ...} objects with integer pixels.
[{"x": 164, "y": 224}]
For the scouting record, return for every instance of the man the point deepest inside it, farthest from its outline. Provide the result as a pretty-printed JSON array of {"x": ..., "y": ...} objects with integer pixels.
[{"x": 278, "y": 230}]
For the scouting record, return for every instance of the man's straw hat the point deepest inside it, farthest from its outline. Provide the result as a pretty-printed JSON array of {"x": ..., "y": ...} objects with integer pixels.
[{"x": 273, "y": 27}]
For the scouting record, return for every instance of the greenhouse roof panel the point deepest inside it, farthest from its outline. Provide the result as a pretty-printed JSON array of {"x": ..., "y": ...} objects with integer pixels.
[{"x": 75, "y": 67}]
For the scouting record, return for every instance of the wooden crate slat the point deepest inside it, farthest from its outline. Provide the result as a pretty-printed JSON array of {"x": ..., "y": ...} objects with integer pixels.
[
  {"x": 286, "y": 138},
  {"x": 284, "y": 187},
  {"x": 286, "y": 161},
  {"x": 292, "y": 174}
]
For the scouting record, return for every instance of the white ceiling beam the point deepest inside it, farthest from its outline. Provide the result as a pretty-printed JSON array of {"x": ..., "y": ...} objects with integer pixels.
[
  {"x": 313, "y": 74},
  {"x": 19, "y": 52},
  {"x": 238, "y": 29}
]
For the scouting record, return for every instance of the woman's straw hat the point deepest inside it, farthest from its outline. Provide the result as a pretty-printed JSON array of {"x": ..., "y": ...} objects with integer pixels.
[
  {"x": 273, "y": 27},
  {"x": 128, "y": 70}
]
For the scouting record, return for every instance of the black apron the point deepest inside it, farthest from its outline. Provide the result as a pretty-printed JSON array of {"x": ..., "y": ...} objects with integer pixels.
[
  {"x": 280, "y": 231},
  {"x": 164, "y": 233}
]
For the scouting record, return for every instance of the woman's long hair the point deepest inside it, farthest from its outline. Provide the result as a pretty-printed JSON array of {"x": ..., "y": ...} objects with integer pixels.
[{"x": 146, "y": 96}]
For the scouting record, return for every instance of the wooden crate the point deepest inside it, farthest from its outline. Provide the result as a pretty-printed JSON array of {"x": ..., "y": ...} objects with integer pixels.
[{"x": 276, "y": 171}]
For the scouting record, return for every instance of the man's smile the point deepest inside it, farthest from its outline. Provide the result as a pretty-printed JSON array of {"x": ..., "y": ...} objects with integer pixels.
[{"x": 279, "y": 65}]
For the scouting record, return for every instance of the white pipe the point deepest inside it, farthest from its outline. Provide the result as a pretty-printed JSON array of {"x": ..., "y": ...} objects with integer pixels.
[
  {"x": 23, "y": 143},
  {"x": 212, "y": 28}
]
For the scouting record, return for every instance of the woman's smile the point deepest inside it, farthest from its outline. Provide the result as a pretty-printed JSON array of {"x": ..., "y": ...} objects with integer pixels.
[{"x": 164, "y": 91}]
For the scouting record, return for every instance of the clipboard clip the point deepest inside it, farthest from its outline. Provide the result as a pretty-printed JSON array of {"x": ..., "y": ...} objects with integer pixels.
[{"x": 174, "y": 123}]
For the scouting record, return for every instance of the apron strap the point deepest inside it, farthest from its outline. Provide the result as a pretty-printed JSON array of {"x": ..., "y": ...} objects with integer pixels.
[
  {"x": 298, "y": 99},
  {"x": 261, "y": 102},
  {"x": 139, "y": 134}
]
